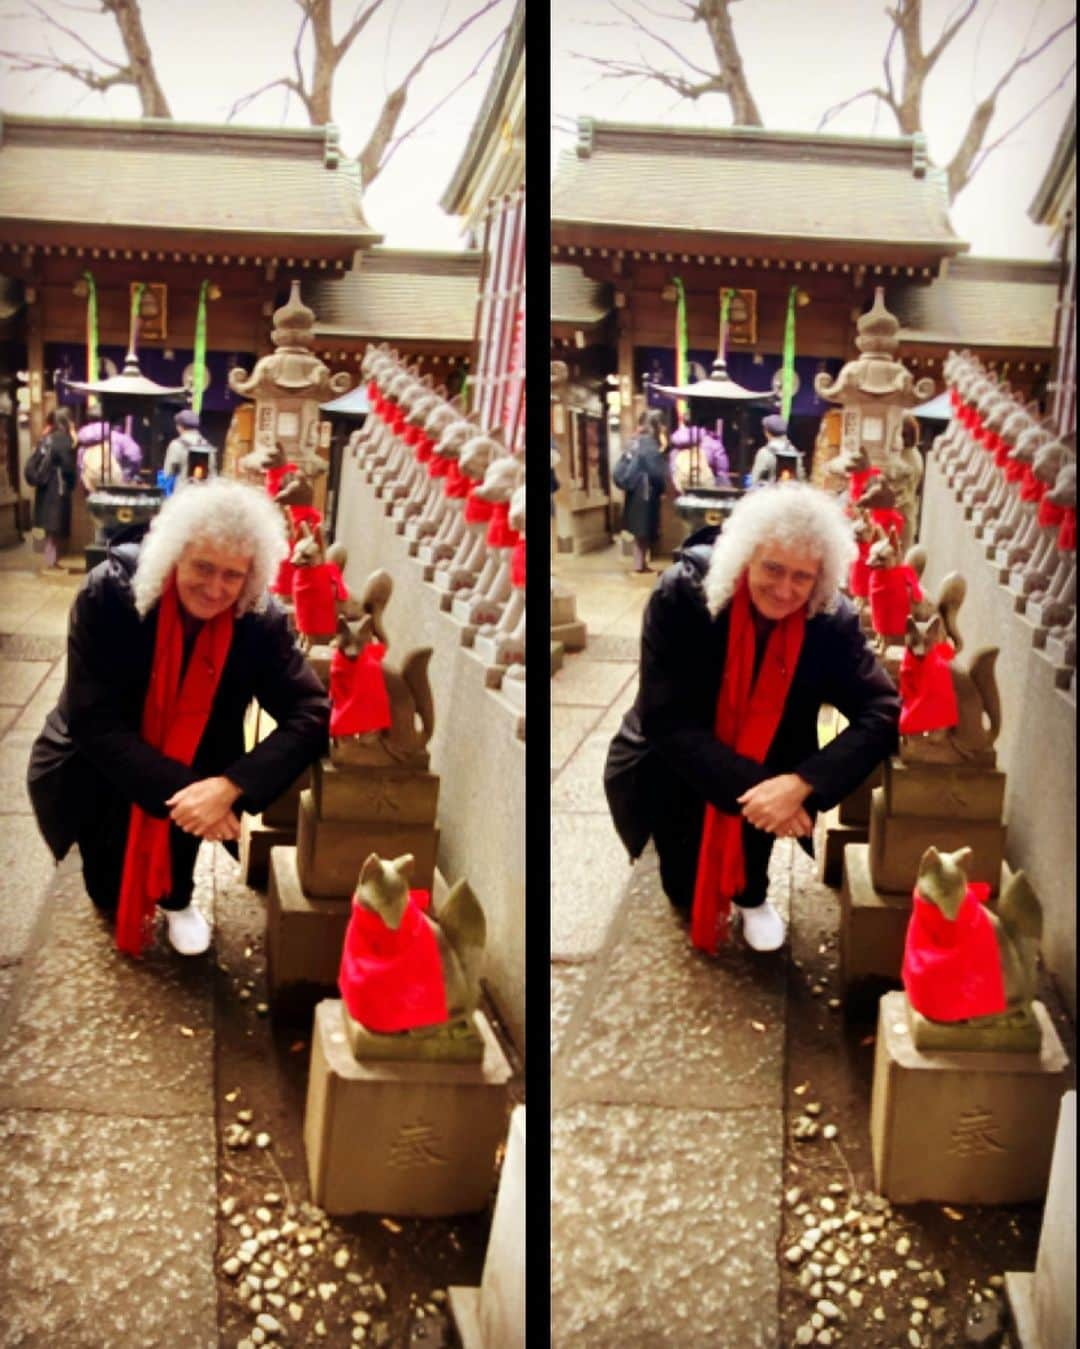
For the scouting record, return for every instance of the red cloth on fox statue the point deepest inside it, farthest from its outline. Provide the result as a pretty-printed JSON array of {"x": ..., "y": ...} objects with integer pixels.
[
  {"x": 393, "y": 980},
  {"x": 892, "y": 590},
  {"x": 927, "y": 694},
  {"x": 859, "y": 574},
  {"x": 359, "y": 702},
  {"x": 952, "y": 968},
  {"x": 314, "y": 590}
]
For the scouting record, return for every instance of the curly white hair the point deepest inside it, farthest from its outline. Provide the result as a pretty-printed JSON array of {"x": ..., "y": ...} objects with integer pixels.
[
  {"x": 223, "y": 514},
  {"x": 793, "y": 515}
]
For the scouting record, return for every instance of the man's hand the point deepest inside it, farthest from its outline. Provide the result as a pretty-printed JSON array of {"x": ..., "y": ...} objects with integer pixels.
[
  {"x": 204, "y": 808},
  {"x": 775, "y": 805}
]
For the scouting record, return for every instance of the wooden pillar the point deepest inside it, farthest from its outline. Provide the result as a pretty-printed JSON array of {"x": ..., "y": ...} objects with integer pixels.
[{"x": 624, "y": 330}]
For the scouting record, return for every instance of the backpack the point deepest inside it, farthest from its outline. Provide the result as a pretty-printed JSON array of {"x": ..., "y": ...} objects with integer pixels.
[
  {"x": 38, "y": 468},
  {"x": 628, "y": 471}
]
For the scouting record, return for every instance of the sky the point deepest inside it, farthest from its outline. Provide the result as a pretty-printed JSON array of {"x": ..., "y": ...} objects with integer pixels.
[
  {"x": 801, "y": 56},
  {"x": 208, "y": 53}
]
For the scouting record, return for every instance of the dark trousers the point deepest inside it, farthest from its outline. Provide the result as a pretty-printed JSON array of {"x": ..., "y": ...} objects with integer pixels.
[
  {"x": 103, "y": 867},
  {"x": 677, "y": 838}
]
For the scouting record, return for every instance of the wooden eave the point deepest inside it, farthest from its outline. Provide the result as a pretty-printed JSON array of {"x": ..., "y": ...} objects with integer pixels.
[{"x": 576, "y": 241}]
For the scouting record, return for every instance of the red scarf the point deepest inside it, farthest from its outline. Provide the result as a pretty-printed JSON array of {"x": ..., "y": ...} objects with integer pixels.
[
  {"x": 174, "y": 718},
  {"x": 499, "y": 534},
  {"x": 1014, "y": 469},
  {"x": 477, "y": 510},
  {"x": 892, "y": 590},
  {"x": 952, "y": 969},
  {"x": 1066, "y": 540},
  {"x": 888, "y": 519},
  {"x": 275, "y": 475},
  {"x": 438, "y": 466},
  {"x": 927, "y": 695},
  {"x": 359, "y": 702},
  {"x": 859, "y": 575},
  {"x": 858, "y": 480},
  {"x": 1050, "y": 516},
  {"x": 517, "y": 565},
  {"x": 393, "y": 980},
  {"x": 748, "y": 712},
  {"x": 314, "y": 590},
  {"x": 456, "y": 484},
  {"x": 424, "y": 449},
  {"x": 1031, "y": 488}
]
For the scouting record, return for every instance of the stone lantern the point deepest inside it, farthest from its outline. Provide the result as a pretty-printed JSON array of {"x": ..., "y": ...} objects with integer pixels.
[
  {"x": 875, "y": 389},
  {"x": 287, "y": 388}
]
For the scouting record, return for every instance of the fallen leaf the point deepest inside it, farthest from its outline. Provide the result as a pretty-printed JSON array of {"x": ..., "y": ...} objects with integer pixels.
[
  {"x": 231, "y": 1095},
  {"x": 758, "y": 1025},
  {"x": 390, "y": 1225},
  {"x": 952, "y": 1213},
  {"x": 802, "y": 1088},
  {"x": 296, "y": 1046},
  {"x": 867, "y": 1040},
  {"x": 186, "y": 1030}
]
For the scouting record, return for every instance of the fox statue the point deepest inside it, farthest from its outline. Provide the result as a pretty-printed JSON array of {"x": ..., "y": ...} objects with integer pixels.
[
  {"x": 965, "y": 961},
  {"x": 375, "y": 708},
  {"x": 318, "y": 587},
  {"x": 975, "y": 705},
  {"x": 405, "y": 967}
]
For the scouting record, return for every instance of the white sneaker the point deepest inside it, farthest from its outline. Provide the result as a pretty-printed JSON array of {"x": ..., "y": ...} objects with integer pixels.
[
  {"x": 189, "y": 932},
  {"x": 763, "y": 927}
]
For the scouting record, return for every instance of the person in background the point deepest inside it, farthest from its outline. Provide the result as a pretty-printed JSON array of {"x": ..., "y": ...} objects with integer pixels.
[
  {"x": 777, "y": 458},
  {"x": 744, "y": 640},
  {"x": 52, "y": 498},
  {"x": 143, "y": 756},
  {"x": 642, "y": 473},
  {"x": 190, "y": 455},
  {"x": 126, "y": 455}
]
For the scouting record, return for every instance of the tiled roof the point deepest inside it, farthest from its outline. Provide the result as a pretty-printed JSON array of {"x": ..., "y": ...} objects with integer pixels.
[
  {"x": 575, "y": 298},
  {"x": 173, "y": 176},
  {"x": 982, "y": 302},
  {"x": 745, "y": 181},
  {"x": 401, "y": 295}
]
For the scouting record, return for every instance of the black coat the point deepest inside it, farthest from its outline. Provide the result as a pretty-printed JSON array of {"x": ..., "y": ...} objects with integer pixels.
[
  {"x": 641, "y": 510},
  {"x": 52, "y": 502},
  {"x": 665, "y": 763},
  {"x": 89, "y": 763}
]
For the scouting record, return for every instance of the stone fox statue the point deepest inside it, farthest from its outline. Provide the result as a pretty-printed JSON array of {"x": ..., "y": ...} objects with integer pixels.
[
  {"x": 405, "y": 966},
  {"x": 893, "y": 588},
  {"x": 970, "y": 738},
  {"x": 375, "y": 708},
  {"x": 963, "y": 960},
  {"x": 946, "y": 603},
  {"x": 317, "y": 589}
]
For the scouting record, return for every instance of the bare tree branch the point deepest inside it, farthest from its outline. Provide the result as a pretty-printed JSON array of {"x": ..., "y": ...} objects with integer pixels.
[
  {"x": 949, "y": 32},
  {"x": 612, "y": 69},
  {"x": 838, "y": 108},
  {"x": 1025, "y": 58},
  {"x": 374, "y": 153},
  {"x": 396, "y": 143},
  {"x": 979, "y": 159},
  {"x": 360, "y": 21},
  {"x": 636, "y": 23},
  {"x": 282, "y": 82}
]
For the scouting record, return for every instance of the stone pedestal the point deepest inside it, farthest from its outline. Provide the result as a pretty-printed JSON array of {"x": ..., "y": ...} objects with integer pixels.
[
  {"x": 257, "y": 839},
  {"x": 281, "y": 814},
  {"x": 835, "y": 838},
  {"x": 414, "y": 1139},
  {"x": 493, "y": 1315},
  {"x": 1044, "y": 1303},
  {"x": 855, "y": 809},
  {"x": 898, "y": 841},
  {"x": 962, "y": 1128},
  {"x": 566, "y": 627},
  {"x": 304, "y": 938},
  {"x": 330, "y": 853}
]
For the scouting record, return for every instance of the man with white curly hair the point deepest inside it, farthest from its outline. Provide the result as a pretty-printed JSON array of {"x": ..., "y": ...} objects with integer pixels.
[
  {"x": 744, "y": 639},
  {"x": 143, "y": 756}
]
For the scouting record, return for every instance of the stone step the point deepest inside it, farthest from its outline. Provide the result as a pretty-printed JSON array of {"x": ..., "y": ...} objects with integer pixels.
[
  {"x": 558, "y": 654},
  {"x": 573, "y": 636}
]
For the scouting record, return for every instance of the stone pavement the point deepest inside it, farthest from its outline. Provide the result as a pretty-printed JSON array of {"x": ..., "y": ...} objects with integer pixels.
[
  {"x": 667, "y": 1066},
  {"x": 107, "y": 1142}
]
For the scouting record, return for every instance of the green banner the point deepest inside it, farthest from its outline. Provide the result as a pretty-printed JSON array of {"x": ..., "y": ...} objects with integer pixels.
[
  {"x": 682, "y": 346},
  {"x": 726, "y": 297},
  {"x": 136, "y": 301},
  {"x": 200, "y": 350},
  {"x": 788, "y": 367},
  {"x": 91, "y": 327}
]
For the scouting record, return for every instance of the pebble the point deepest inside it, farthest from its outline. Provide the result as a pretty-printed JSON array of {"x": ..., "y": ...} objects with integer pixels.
[
  {"x": 937, "y": 1318},
  {"x": 913, "y": 1264},
  {"x": 832, "y": 1271},
  {"x": 358, "y": 1334},
  {"x": 255, "y": 1303},
  {"x": 887, "y": 1277},
  {"x": 268, "y": 1323},
  {"x": 855, "y": 1297},
  {"x": 810, "y": 1238},
  {"x": 341, "y": 1257},
  {"x": 996, "y": 1281},
  {"x": 828, "y": 1309},
  {"x": 836, "y": 1287},
  {"x": 817, "y": 1321},
  {"x": 903, "y": 1245},
  {"x": 834, "y": 1004},
  {"x": 276, "y": 1301},
  {"x": 794, "y": 1254},
  {"x": 320, "y": 1327},
  {"x": 816, "y": 1290},
  {"x": 916, "y": 1318},
  {"x": 824, "y": 1336},
  {"x": 914, "y": 1339},
  {"x": 878, "y": 1314},
  {"x": 258, "y": 1336},
  {"x": 245, "y": 1116},
  {"x": 804, "y": 1335},
  {"x": 804, "y": 1128},
  {"x": 868, "y": 1238},
  {"x": 327, "y": 1291},
  {"x": 246, "y": 1344},
  {"x": 262, "y": 1140},
  {"x": 835, "y": 1187},
  {"x": 920, "y": 1304},
  {"x": 792, "y": 1196},
  {"x": 306, "y": 1249},
  {"x": 362, "y": 1318},
  {"x": 228, "y": 1206},
  {"x": 830, "y": 1131},
  {"x": 812, "y": 1107},
  {"x": 231, "y": 1267},
  {"x": 295, "y": 1311},
  {"x": 829, "y": 1205}
]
